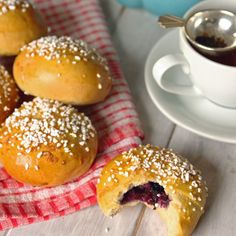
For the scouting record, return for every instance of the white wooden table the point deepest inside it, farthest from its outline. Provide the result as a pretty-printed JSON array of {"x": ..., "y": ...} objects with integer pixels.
[{"x": 134, "y": 33}]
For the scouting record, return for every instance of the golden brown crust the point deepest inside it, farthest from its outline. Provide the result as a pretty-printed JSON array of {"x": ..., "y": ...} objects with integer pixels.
[
  {"x": 47, "y": 143},
  {"x": 19, "y": 25},
  {"x": 63, "y": 69},
  {"x": 180, "y": 180},
  {"x": 9, "y": 94}
]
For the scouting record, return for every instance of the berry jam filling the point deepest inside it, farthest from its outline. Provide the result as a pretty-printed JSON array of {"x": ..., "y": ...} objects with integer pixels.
[{"x": 150, "y": 193}]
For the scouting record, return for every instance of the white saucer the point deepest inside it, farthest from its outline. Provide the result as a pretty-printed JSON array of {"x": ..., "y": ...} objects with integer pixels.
[{"x": 196, "y": 114}]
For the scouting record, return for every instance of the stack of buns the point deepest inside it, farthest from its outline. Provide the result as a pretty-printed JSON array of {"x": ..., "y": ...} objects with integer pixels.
[{"x": 46, "y": 141}]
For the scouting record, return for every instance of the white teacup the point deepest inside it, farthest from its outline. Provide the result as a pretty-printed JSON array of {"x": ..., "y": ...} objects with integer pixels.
[{"x": 210, "y": 79}]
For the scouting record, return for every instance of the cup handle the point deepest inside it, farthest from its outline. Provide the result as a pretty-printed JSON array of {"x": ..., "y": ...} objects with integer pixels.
[{"x": 166, "y": 63}]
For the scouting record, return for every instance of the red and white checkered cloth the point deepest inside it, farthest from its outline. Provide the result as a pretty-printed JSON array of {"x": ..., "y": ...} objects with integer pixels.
[{"x": 115, "y": 119}]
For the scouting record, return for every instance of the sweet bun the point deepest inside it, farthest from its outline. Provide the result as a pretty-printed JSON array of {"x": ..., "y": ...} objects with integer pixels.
[
  {"x": 164, "y": 181},
  {"x": 46, "y": 143},
  {"x": 63, "y": 69},
  {"x": 20, "y": 23},
  {"x": 8, "y": 94}
]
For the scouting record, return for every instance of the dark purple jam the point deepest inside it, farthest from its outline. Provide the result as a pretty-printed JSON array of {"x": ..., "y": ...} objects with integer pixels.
[{"x": 150, "y": 193}]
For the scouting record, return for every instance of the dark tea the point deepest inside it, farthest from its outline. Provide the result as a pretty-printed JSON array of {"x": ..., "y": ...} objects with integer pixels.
[
  {"x": 211, "y": 41},
  {"x": 226, "y": 58}
]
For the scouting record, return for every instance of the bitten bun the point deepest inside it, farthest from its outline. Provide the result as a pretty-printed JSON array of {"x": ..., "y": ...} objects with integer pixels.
[
  {"x": 63, "y": 69},
  {"x": 163, "y": 180},
  {"x": 9, "y": 94},
  {"x": 46, "y": 143},
  {"x": 20, "y": 23}
]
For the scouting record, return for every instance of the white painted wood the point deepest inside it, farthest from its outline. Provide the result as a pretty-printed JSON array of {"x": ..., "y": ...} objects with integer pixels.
[
  {"x": 151, "y": 224},
  {"x": 135, "y": 35},
  {"x": 112, "y": 10},
  {"x": 88, "y": 222},
  {"x": 5, "y": 233}
]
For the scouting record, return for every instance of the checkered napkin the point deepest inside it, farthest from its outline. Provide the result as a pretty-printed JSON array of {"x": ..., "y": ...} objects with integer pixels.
[{"x": 115, "y": 119}]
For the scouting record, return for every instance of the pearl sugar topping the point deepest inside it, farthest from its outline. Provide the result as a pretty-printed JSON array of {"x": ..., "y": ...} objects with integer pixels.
[
  {"x": 11, "y": 5},
  {"x": 6, "y": 83},
  {"x": 170, "y": 170},
  {"x": 46, "y": 122},
  {"x": 64, "y": 47}
]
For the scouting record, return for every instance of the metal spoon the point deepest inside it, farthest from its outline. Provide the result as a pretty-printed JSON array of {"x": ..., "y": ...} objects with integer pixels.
[{"x": 219, "y": 26}]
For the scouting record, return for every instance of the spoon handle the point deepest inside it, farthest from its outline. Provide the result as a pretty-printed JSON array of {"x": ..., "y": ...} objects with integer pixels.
[{"x": 169, "y": 21}]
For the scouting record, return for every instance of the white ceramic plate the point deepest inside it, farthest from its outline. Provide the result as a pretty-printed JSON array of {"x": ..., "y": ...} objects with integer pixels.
[{"x": 196, "y": 114}]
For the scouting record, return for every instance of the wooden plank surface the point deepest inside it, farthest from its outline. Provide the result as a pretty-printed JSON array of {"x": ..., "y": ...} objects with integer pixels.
[
  {"x": 112, "y": 11},
  {"x": 134, "y": 33},
  {"x": 88, "y": 222}
]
